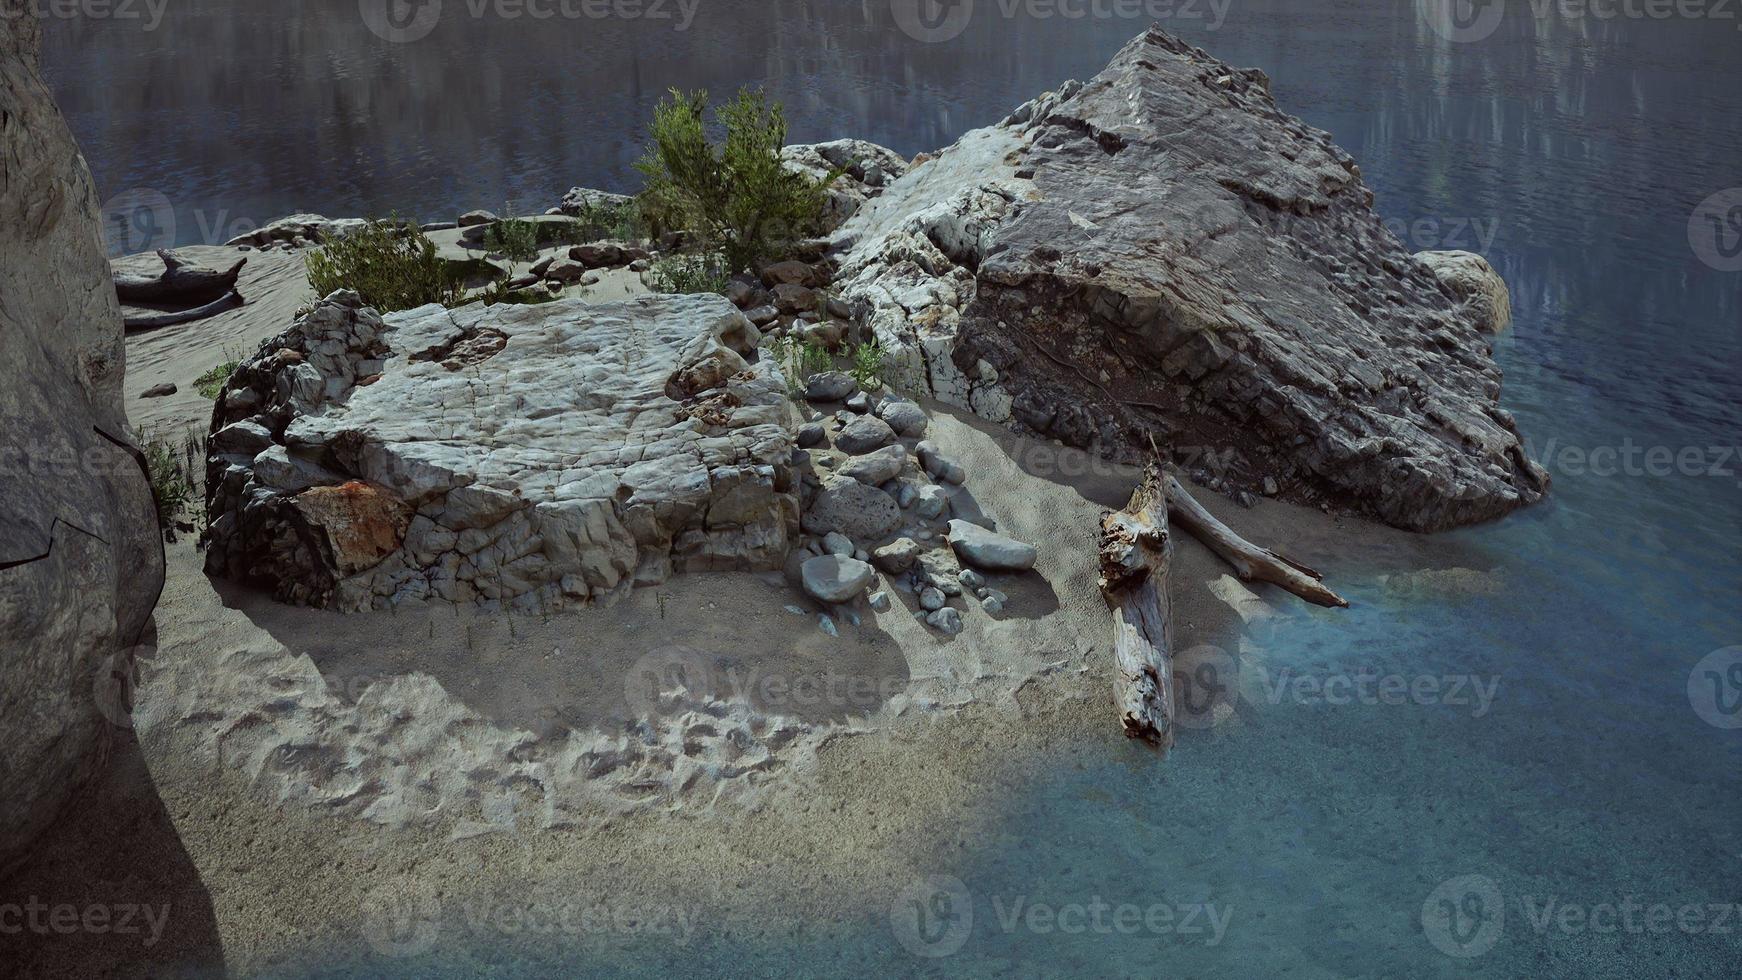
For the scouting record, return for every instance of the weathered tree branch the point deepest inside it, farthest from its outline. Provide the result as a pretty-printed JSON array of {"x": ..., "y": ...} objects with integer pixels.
[
  {"x": 1135, "y": 553},
  {"x": 153, "y": 320},
  {"x": 1251, "y": 563},
  {"x": 178, "y": 284}
]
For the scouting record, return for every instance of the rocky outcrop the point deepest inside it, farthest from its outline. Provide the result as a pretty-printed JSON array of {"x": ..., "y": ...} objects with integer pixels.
[
  {"x": 299, "y": 231},
  {"x": 524, "y": 454},
  {"x": 1162, "y": 252},
  {"x": 1473, "y": 280},
  {"x": 861, "y": 170},
  {"x": 81, "y": 563}
]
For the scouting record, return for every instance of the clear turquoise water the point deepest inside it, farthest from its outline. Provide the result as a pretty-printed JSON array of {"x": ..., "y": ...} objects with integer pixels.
[{"x": 1581, "y": 146}]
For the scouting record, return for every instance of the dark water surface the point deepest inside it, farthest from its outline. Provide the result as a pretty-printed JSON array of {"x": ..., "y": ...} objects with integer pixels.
[{"x": 1572, "y": 151}]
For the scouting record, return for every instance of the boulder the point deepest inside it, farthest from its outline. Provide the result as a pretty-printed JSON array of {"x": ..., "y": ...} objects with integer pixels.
[
  {"x": 878, "y": 467},
  {"x": 905, "y": 417},
  {"x": 582, "y": 202},
  {"x": 864, "y": 434},
  {"x": 836, "y": 578},
  {"x": 81, "y": 560},
  {"x": 1475, "y": 284},
  {"x": 990, "y": 550},
  {"x": 471, "y": 218},
  {"x": 512, "y": 453},
  {"x": 1197, "y": 265},
  {"x": 897, "y": 556},
  {"x": 863, "y": 513},
  {"x": 830, "y": 386}
]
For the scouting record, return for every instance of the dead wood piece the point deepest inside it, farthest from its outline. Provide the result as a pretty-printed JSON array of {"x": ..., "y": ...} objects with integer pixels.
[
  {"x": 1251, "y": 563},
  {"x": 178, "y": 284},
  {"x": 153, "y": 320},
  {"x": 1135, "y": 554}
]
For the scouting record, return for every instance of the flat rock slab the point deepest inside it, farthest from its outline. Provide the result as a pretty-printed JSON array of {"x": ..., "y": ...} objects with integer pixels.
[{"x": 505, "y": 453}]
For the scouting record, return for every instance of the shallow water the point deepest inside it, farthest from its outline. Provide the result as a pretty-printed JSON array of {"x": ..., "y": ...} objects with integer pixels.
[{"x": 1571, "y": 151}]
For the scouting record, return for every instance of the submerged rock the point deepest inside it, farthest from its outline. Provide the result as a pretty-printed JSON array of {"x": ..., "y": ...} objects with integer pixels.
[
  {"x": 525, "y": 453},
  {"x": 1163, "y": 251}
]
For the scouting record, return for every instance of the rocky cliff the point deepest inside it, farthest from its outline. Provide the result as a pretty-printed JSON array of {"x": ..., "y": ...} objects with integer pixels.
[
  {"x": 80, "y": 561},
  {"x": 1163, "y": 253}
]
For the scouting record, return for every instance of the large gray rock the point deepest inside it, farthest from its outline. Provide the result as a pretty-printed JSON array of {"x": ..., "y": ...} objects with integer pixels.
[
  {"x": 81, "y": 563},
  {"x": 1474, "y": 282},
  {"x": 836, "y": 578},
  {"x": 863, "y": 513},
  {"x": 1195, "y": 264},
  {"x": 990, "y": 550},
  {"x": 525, "y": 453}
]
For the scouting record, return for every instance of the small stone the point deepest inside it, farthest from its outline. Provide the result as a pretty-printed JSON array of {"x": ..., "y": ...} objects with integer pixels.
[
  {"x": 905, "y": 417},
  {"x": 897, "y": 557},
  {"x": 905, "y": 495},
  {"x": 1270, "y": 487},
  {"x": 159, "y": 391},
  {"x": 797, "y": 611},
  {"x": 931, "y": 600},
  {"x": 990, "y": 550},
  {"x": 878, "y": 467},
  {"x": 880, "y": 601},
  {"x": 811, "y": 435},
  {"x": 946, "y": 620},
  {"x": 941, "y": 467},
  {"x": 762, "y": 316},
  {"x": 992, "y": 605},
  {"x": 930, "y": 501},
  {"x": 830, "y": 386},
  {"x": 859, "y": 402},
  {"x": 827, "y": 625},
  {"x": 832, "y": 578},
  {"x": 971, "y": 579},
  {"x": 471, "y": 218},
  {"x": 836, "y": 543},
  {"x": 863, "y": 434}
]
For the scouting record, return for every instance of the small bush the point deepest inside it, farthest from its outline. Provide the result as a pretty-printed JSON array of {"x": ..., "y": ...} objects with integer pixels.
[
  {"x": 515, "y": 238},
  {"x": 737, "y": 195},
  {"x": 868, "y": 365},
  {"x": 171, "y": 486},
  {"x": 391, "y": 265},
  {"x": 688, "y": 274},
  {"x": 608, "y": 219},
  {"x": 799, "y": 360},
  {"x": 211, "y": 384}
]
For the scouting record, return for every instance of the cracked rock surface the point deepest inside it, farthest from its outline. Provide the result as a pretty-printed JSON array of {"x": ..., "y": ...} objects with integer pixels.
[
  {"x": 80, "y": 558},
  {"x": 516, "y": 454},
  {"x": 1162, "y": 252}
]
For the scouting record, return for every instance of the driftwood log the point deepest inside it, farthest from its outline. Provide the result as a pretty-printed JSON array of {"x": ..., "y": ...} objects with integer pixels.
[
  {"x": 1251, "y": 563},
  {"x": 178, "y": 284},
  {"x": 149, "y": 321},
  {"x": 1135, "y": 554}
]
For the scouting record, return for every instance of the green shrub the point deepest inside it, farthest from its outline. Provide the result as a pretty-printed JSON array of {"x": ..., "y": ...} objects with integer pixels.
[
  {"x": 868, "y": 365},
  {"x": 799, "y": 360},
  {"x": 608, "y": 219},
  {"x": 688, "y": 274},
  {"x": 211, "y": 384},
  {"x": 391, "y": 265},
  {"x": 515, "y": 238},
  {"x": 171, "y": 486},
  {"x": 735, "y": 194}
]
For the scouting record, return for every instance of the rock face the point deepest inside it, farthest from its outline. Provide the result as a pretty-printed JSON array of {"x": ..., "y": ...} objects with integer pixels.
[
  {"x": 300, "y": 229},
  {"x": 1473, "y": 280},
  {"x": 503, "y": 453},
  {"x": 1163, "y": 252},
  {"x": 864, "y": 170},
  {"x": 81, "y": 563}
]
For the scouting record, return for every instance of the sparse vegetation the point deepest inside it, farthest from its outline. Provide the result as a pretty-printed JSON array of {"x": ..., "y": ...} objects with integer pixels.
[
  {"x": 799, "y": 360},
  {"x": 868, "y": 360},
  {"x": 608, "y": 219},
  {"x": 688, "y": 274},
  {"x": 391, "y": 265},
  {"x": 735, "y": 194},
  {"x": 515, "y": 238},
  {"x": 211, "y": 384},
  {"x": 172, "y": 467}
]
